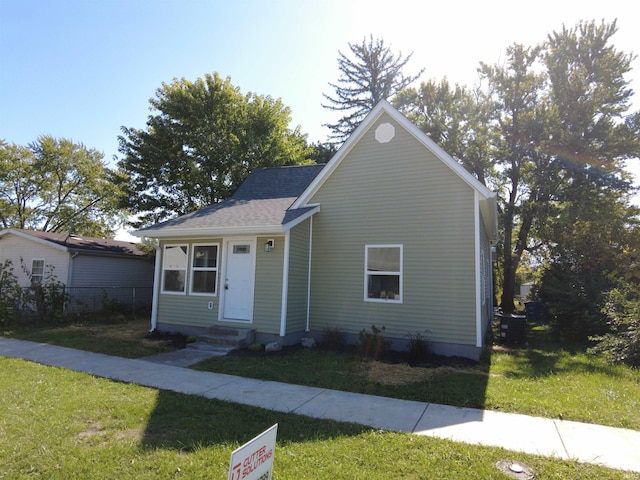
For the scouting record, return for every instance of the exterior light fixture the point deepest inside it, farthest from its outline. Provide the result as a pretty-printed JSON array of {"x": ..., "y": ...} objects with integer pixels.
[{"x": 269, "y": 244}]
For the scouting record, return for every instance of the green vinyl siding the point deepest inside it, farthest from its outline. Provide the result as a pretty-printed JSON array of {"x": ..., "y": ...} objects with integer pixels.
[
  {"x": 190, "y": 310},
  {"x": 267, "y": 303},
  {"x": 395, "y": 193},
  {"x": 298, "y": 278}
]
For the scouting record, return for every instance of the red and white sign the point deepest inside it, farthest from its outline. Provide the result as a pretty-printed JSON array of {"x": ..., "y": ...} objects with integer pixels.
[{"x": 254, "y": 460}]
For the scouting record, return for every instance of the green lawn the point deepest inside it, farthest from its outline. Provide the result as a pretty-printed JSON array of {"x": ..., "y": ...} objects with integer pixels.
[
  {"x": 59, "y": 424},
  {"x": 122, "y": 338},
  {"x": 544, "y": 379}
]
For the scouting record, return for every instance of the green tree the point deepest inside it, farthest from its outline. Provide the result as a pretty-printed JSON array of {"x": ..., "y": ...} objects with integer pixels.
[
  {"x": 621, "y": 343},
  {"x": 549, "y": 131},
  {"x": 322, "y": 152},
  {"x": 200, "y": 143},
  {"x": 524, "y": 175},
  {"x": 373, "y": 74},
  {"x": 563, "y": 138},
  {"x": 57, "y": 185},
  {"x": 588, "y": 258},
  {"x": 454, "y": 118}
]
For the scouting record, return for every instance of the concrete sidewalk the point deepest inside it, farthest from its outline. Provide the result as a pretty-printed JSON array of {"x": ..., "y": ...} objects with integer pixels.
[{"x": 612, "y": 447}]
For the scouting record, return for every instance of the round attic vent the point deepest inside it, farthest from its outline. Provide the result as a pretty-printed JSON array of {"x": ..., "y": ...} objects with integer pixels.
[{"x": 385, "y": 132}]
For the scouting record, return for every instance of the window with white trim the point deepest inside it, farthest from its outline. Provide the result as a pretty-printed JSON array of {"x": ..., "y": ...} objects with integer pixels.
[
  {"x": 383, "y": 273},
  {"x": 174, "y": 269},
  {"x": 204, "y": 269},
  {"x": 37, "y": 271}
]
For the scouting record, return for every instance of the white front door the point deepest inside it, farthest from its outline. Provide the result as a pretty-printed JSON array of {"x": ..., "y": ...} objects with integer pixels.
[{"x": 239, "y": 280}]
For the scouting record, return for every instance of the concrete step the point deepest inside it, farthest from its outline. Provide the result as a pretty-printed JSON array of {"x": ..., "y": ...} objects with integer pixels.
[
  {"x": 223, "y": 339},
  {"x": 212, "y": 348}
]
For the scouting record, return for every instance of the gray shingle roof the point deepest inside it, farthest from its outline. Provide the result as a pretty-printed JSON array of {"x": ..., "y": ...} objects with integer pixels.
[
  {"x": 81, "y": 244},
  {"x": 263, "y": 200}
]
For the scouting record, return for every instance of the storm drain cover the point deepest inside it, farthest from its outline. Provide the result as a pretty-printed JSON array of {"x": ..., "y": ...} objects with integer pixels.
[{"x": 517, "y": 470}]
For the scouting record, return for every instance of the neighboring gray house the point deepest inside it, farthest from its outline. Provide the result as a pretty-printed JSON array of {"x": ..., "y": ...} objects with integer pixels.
[
  {"x": 391, "y": 232},
  {"x": 89, "y": 267}
]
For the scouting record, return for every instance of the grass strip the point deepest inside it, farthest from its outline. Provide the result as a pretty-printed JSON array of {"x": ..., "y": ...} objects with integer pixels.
[{"x": 59, "y": 424}]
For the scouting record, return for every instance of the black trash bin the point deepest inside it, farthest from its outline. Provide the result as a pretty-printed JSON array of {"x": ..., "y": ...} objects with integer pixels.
[{"x": 513, "y": 328}]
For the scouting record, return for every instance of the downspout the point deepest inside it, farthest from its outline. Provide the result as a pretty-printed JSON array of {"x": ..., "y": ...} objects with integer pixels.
[
  {"x": 478, "y": 271},
  {"x": 156, "y": 290},
  {"x": 70, "y": 270},
  {"x": 285, "y": 286},
  {"x": 308, "y": 328}
]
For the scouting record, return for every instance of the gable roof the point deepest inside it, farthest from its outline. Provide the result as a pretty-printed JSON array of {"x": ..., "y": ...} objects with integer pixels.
[
  {"x": 78, "y": 244},
  {"x": 273, "y": 200},
  {"x": 487, "y": 198},
  {"x": 260, "y": 205},
  {"x": 385, "y": 107}
]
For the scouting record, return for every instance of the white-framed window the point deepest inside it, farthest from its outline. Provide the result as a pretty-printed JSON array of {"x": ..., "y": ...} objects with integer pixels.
[
  {"x": 383, "y": 273},
  {"x": 37, "y": 271},
  {"x": 174, "y": 268},
  {"x": 204, "y": 269}
]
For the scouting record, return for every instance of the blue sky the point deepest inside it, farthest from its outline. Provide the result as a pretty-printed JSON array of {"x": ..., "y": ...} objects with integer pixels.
[{"x": 81, "y": 69}]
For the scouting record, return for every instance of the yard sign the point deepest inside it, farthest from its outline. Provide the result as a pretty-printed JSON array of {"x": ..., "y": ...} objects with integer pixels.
[{"x": 254, "y": 460}]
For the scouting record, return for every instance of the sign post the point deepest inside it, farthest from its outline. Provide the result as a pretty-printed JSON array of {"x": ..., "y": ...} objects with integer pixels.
[{"x": 254, "y": 459}]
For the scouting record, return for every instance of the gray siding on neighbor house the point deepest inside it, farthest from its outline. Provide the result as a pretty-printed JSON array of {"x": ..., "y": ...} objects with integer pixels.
[
  {"x": 298, "y": 278},
  {"x": 189, "y": 310},
  {"x": 128, "y": 281},
  {"x": 267, "y": 305},
  {"x": 16, "y": 248},
  {"x": 396, "y": 193},
  {"x": 100, "y": 271}
]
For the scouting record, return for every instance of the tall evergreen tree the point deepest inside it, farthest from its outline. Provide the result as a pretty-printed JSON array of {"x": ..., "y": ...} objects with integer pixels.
[{"x": 374, "y": 73}]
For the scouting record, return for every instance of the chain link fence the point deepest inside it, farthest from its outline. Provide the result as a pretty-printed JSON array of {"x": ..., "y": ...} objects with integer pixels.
[
  {"x": 56, "y": 302},
  {"x": 133, "y": 300}
]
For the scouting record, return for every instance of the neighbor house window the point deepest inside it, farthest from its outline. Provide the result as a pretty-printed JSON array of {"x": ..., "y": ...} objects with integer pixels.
[
  {"x": 174, "y": 269},
  {"x": 37, "y": 270},
  {"x": 383, "y": 273},
  {"x": 204, "y": 270}
]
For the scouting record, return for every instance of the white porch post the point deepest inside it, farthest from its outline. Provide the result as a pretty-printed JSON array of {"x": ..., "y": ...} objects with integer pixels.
[
  {"x": 156, "y": 290},
  {"x": 308, "y": 328},
  {"x": 285, "y": 285},
  {"x": 478, "y": 267}
]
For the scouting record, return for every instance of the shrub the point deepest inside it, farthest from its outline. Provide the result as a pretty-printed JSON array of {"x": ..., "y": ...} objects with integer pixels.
[
  {"x": 9, "y": 292},
  {"x": 573, "y": 297},
  {"x": 110, "y": 305},
  {"x": 45, "y": 300},
  {"x": 419, "y": 349},
  {"x": 622, "y": 343},
  {"x": 333, "y": 339},
  {"x": 372, "y": 344}
]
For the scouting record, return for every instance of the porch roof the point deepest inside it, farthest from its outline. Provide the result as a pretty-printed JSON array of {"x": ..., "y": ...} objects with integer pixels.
[{"x": 260, "y": 205}]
